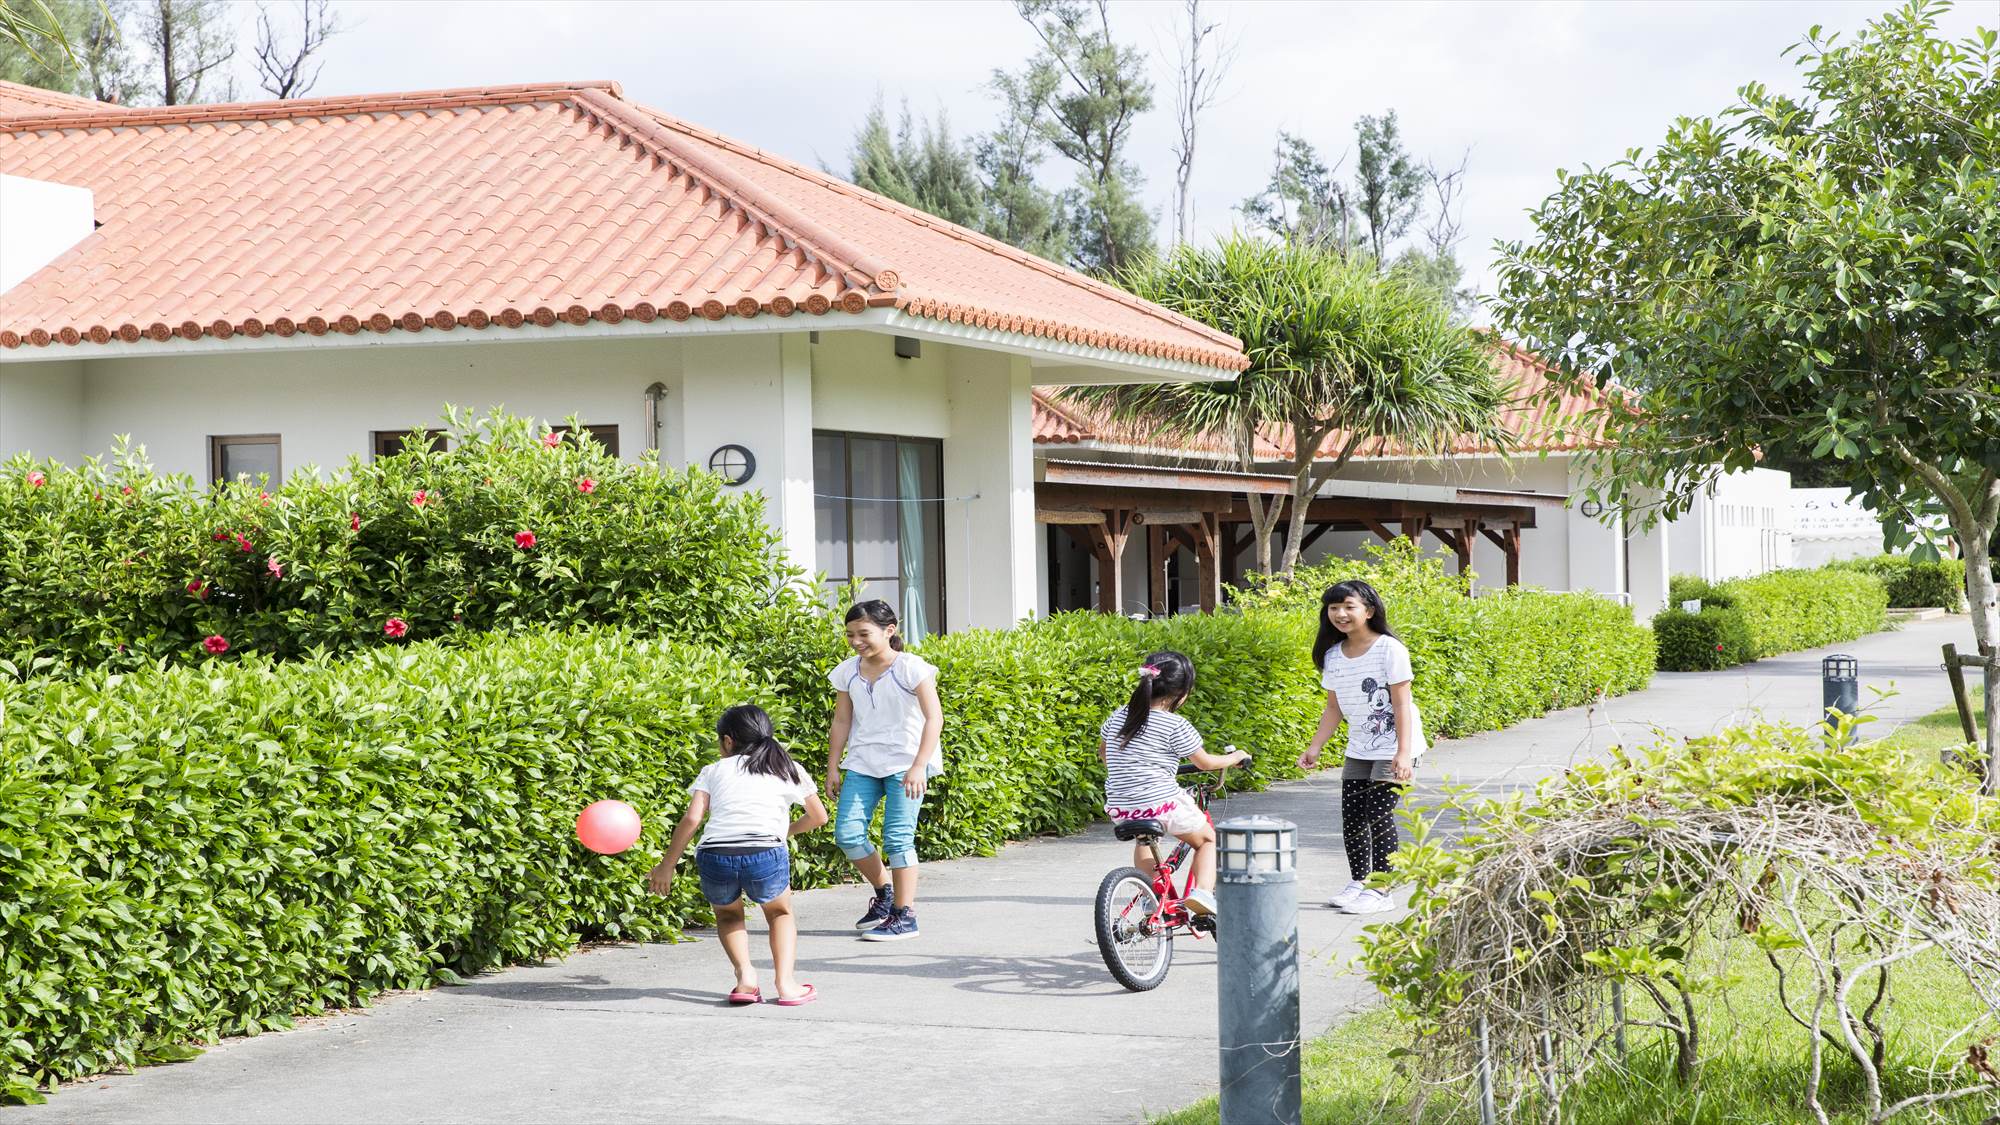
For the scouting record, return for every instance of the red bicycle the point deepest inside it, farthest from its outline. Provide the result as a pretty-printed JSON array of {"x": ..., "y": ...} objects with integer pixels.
[{"x": 1139, "y": 915}]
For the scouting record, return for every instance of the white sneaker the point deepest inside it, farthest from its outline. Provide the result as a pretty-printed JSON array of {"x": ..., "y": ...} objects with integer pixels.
[
  {"x": 1369, "y": 901},
  {"x": 1201, "y": 901},
  {"x": 1346, "y": 895}
]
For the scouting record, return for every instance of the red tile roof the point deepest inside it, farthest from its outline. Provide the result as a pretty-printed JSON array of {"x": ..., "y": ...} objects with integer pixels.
[
  {"x": 505, "y": 205},
  {"x": 1526, "y": 416},
  {"x": 17, "y": 100}
]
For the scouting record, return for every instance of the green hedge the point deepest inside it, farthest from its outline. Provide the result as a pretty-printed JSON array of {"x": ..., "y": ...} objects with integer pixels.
[
  {"x": 112, "y": 566},
  {"x": 1747, "y": 619},
  {"x": 1715, "y": 638},
  {"x": 1484, "y": 662},
  {"x": 1791, "y": 610},
  {"x": 1914, "y": 584},
  {"x": 198, "y": 852}
]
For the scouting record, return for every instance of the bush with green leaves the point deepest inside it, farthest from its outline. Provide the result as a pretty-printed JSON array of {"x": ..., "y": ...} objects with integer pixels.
[
  {"x": 1916, "y": 583},
  {"x": 1691, "y": 588},
  {"x": 1715, "y": 638},
  {"x": 1792, "y": 610},
  {"x": 111, "y": 565},
  {"x": 193, "y": 852}
]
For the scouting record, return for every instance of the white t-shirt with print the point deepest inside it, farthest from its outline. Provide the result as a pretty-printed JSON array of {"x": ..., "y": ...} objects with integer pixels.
[
  {"x": 1361, "y": 684},
  {"x": 888, "y": 726},
  {"x": 748, "y": 809}
]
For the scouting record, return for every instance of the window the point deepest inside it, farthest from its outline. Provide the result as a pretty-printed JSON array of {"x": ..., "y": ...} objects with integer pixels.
[
  {"x": 877, "y": 520},
  {"x": 606, "y": 436},
  {"x": 244, "y": 457},
  {"x": 388, "y": 443}
]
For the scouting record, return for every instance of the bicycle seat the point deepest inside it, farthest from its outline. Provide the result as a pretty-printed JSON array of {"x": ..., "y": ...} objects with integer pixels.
[{"x": 1139, "y": 829}]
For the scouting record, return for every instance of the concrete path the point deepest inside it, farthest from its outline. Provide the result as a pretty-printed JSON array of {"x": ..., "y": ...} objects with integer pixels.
[{"x": 1002, "y": 1011}]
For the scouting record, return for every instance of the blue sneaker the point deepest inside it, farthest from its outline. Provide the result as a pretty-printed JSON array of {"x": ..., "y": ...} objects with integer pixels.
[
  {"x": 879, "y": 909},
  {"x": 901, "y": 924}
]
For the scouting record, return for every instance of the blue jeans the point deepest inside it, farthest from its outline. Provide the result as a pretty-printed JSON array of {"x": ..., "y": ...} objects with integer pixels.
[
  {"x": 762, "y": 876},
  {"x": 859, "y": 794}
]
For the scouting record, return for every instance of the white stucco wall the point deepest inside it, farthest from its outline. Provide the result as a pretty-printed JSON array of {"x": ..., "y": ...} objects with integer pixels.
[
  {"x": 1739, "y": 526},
  {"x": 38, "y": 221},
  {"x": 860, "y": 386},
  {"x": 990, "y": 542},
  {"x": 41, "y": 410}
]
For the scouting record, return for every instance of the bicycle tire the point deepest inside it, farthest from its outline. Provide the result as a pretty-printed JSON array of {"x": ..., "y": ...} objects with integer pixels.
[{"x": 1121, "y": 886}]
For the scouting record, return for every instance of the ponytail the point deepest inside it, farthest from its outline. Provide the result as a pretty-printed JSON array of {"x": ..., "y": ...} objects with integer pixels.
[
  {"x": 1165, "y": 675},
  {"x": 748, "y": 729},
  {"x": 880, "y": 614}
]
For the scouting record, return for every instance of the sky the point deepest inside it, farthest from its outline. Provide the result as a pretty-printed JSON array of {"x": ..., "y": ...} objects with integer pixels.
[{"x": 1524, "y": 88}]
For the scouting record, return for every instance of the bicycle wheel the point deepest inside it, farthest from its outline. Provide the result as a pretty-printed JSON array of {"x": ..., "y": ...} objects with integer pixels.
[{"x": 1139, "y": 959}]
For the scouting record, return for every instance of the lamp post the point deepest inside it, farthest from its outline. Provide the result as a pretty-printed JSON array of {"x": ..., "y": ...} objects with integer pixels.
[
  {"x": 1840, "y": 685},
  {"x": 1257, "y": 962}
]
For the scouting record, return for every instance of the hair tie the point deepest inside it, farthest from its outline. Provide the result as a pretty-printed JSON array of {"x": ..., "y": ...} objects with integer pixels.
[{"x": 1149, "y": 671}]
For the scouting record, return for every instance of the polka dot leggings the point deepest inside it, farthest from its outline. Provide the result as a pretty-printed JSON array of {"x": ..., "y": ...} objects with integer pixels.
[{"x": 1368, "y": 823}]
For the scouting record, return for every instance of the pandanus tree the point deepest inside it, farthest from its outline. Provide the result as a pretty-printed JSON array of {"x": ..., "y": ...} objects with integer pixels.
[
  {"x": 1797, "y": 279},
  {"x": 1340, "y": 355}
]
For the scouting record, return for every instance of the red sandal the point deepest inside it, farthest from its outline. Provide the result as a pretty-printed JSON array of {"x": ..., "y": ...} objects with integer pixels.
[
  {"x": 751, "y": 996},
  {"x": 808, "y": 996}
]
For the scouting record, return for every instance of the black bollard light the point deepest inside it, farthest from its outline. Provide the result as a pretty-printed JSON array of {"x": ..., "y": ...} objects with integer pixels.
[
  {"x": 1257, "y": 963},
  {"x": 1840, "y": 685}
]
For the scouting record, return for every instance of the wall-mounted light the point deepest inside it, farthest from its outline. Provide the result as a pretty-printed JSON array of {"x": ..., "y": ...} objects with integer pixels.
[
  {"x": 1593, "y": 509},
  {"x": 908, "y": 347}
]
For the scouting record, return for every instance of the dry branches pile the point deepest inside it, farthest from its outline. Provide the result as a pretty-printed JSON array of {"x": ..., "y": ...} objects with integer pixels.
[{"x": 1566, "y": 920}]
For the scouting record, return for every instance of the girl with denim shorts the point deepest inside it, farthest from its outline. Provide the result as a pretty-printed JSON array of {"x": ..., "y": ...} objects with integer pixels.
[
  {"x": 882, "y": 751},
  {"x": 747, "y": 798}
]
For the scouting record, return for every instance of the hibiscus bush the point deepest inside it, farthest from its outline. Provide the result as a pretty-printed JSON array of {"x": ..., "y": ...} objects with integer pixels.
[{"x": 111, "y": 565}]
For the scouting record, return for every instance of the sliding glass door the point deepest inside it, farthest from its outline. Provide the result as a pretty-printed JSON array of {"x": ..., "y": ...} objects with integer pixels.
[{"x": 879, "y": 521}]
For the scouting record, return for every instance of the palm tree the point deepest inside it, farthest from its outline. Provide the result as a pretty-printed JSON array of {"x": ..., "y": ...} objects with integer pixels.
[{"x": 1338, "y": 353}]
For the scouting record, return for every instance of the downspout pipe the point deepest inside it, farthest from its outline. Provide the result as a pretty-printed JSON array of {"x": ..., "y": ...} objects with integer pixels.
[{"x": 655, "y": 395}]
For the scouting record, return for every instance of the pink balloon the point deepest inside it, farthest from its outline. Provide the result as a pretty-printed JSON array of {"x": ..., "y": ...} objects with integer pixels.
[{"x": 608, "y": 827}]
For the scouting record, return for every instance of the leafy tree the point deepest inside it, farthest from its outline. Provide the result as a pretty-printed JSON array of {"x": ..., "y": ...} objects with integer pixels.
[
  {"x": 1092, "y": 89},
  {"x": 188, "y": 43},
  {"x": 1303, "y": 200},
  {"x": 1809, "y": 277},
  {"x": 1019, "y": 210},
  {"x": 1336, "y": 347},
  {"x": 71, "y": 46},
  {"x": 920, "y": 165}
]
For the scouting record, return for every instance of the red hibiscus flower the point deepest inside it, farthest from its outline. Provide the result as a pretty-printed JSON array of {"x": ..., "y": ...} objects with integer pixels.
[
  {"x": 263, "y": 497},
  {"x": 551, "y": 439},
  {"x": 586, "y": 486},
  {"x": 395, "y": 627},
  {"x": 276, "y": 568},
  {"x": 126, "y": 489},
  {"x": 419, "y": 498},
  {"x": 243, "y": 541},
  {"x": 37, "y": 479},
  {"x": 219, "y": 536},
  {"x": 354, "y": 521},
  {"x": 198, "y": 588},
  {"x": 216, "y": 644},
  {"x": 524, "y": 539},
  {"x": 1718, "y": 648}
]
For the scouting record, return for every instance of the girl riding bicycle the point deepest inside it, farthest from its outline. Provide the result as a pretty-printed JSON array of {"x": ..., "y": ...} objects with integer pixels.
[{"x": 1142, "y": 744}]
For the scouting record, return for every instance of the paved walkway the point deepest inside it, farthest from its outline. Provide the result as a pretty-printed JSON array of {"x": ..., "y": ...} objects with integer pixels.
[{"x": 1002, "y": 1011}]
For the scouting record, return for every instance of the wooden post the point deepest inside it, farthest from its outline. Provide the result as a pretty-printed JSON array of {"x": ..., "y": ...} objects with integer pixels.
[
  {"x": 1468, "y": 534},
  {"x": 1510, "y": 542},
  {"x": 1206, "y": 539},
  {"x": 1954, "y": 670},
  {"x": 1158, "y": 552},
  {"x": 1413, "y": 529},
  {"x": 1108, "y": 544}
]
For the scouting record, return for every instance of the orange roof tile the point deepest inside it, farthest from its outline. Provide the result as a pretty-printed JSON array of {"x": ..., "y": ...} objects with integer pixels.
[
  {"x": 18, "y": 100},
  {"x": 537, "y": 204},
  {"x": 1525, "y": 415}
]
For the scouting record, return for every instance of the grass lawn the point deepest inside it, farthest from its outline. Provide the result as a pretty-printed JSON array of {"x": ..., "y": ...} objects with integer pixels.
[
  {"x": 1926, "y": 737},
  {"x": 1754, "y": 1057}
]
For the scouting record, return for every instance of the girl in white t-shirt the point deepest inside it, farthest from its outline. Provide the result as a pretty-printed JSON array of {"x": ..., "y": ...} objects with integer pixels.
[
  {"x": 882, "y": 750},
  {"x": 747, "y": 798},
  {"x": 1367, "y": 676}
]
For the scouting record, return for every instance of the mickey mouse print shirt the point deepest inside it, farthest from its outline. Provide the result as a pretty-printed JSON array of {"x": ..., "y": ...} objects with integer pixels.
[{"x": 1361, "y": 684}]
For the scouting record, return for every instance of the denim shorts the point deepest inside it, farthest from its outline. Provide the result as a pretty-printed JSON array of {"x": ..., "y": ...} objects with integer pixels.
[{"x": 762, "y": 876}]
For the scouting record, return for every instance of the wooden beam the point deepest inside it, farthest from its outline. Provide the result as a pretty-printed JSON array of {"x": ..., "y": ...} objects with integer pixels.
[
  {"x": 1060, "y": 516},
  {"x": 1312, "y": 536},
  {"x": 1152, "y": 516},
  {"x": 1468, "y": 538},
  {"x": 1379, "y": 528},
  {"x": 1108, "y": 544},
  {"x": 1413, "y": 528}
]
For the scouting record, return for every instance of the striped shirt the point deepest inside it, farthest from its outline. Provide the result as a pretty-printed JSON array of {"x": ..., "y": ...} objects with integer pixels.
[{"x": 1140, "y": 773}]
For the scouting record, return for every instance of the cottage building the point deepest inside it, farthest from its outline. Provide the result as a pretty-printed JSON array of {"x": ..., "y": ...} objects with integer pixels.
[{"x": 263, "y": 287}]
